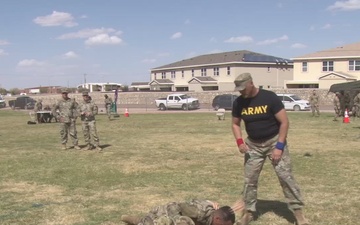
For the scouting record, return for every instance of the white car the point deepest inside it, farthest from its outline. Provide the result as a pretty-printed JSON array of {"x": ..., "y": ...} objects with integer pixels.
[{"x": 294, "y": 102}]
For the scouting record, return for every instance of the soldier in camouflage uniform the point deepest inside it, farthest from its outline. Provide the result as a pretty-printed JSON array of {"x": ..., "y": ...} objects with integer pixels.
[
  {"x": 194, "y": 212},
  {"x": 356, "y": 107},
  {"x": 108, "y": 102},
  {"x": 347, "y": 102},
  {"x": 38, "y": 107},
  {"x": 337, "y": 108},
  {"x": 65, "y": 114},
  {"x": 87, "y": 110},
  {"x": 314, "y": 103}
]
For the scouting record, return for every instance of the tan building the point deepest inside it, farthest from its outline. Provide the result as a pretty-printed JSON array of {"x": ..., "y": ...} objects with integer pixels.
[
  {"x": 324, "y": 68},
  {"x": 217, "y": 72}
]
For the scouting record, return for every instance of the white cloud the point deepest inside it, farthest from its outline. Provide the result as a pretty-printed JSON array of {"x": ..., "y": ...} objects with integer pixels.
[
  {"x": 345, "y": 5},
  {"x": 240, "y": 39},
  {"x": 148, "y": 60},
  {"x": 2, "y": 52},
  {"x": 30, "y": 63},
  {"x": 86, "y": 33},
  {"x": 298, "y": 45},
  {"x": 56, "y": 19},
  {"x": 4, "y": 42},
  {"x": 70, "y": 55},
  {"x": 273, "y": 41},
  {"x": 176, "y": 35},
  {"x": 103, "y": 39},
  {"x": 326, "y": 26}
]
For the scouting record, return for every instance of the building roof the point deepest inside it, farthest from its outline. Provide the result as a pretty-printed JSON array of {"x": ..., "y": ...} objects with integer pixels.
[
  {"x": 243, "y": 56},
  {"x": 203, "y": 80},
  {"x": 345, "y": 51},
  {"x": 162, "y": 81}
]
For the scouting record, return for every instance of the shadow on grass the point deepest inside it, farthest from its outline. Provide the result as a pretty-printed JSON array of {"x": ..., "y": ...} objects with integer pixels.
[{"x": 279, "y": 208}]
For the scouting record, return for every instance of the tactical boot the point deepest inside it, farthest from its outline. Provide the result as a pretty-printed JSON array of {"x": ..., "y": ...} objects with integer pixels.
[
  {"x": 89, "y": 147},
  {"x": 77, "y": 147},
  {"x": 246, "y": 219},
  {"x": 98, "y": 148},
  {"x": 63, "y": 146},
  {"x": 300, "y": 219},
  {"x": 132, "y": 220}
]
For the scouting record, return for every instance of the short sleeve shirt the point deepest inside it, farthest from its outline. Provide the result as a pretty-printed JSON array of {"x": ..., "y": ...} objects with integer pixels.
[{"x": 258, "y": 114}]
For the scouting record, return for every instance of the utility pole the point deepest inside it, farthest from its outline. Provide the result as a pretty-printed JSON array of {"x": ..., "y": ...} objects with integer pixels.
[{"x": 85, "y": 80}]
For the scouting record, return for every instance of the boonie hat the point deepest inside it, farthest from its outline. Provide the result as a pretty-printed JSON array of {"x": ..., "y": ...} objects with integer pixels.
[
  {"x": 85, "y": 93},
  {"x": 241, "y": 81}
]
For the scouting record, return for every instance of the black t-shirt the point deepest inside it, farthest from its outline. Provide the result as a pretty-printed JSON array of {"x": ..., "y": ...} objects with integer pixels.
[{"x": 258, "y": 114}]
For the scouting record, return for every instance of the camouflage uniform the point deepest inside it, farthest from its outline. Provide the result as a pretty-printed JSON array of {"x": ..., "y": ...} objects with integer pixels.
[
  {"x": 65, "y": 116},
  {"x": 314, "y": 103},
  {"x": 337, "y": 108},
  {"x": 193, "y": 212},
  {"x": 357, "y": 105},
  {"x": 37, "y": 108},
  {"x": 87, "y": 110},
  {"x": 108, "y": 102}
]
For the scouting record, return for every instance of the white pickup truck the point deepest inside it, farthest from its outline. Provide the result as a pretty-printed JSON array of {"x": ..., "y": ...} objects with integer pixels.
[{"x": 177, "y": 101}]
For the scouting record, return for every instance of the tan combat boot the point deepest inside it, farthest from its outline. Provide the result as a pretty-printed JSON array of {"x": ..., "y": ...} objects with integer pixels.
[
  {"x": 89, "y": 147},
  {"x": 63, "y": 146},
  {"x": 98, "y": 148},
  {"x": 132, "y": 220},
  {"x": 246, "y": 219},
  {"x": 300, "y": 219},
  {"x": 77, "y": 147}
]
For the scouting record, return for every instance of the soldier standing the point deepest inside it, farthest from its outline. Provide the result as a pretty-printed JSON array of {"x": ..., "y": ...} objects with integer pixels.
[
  {"x": 108, "y": 102},
  {"x": 356, "y": 110},
  {"x": 87, "y": 110},
  {"x": 337, "y": 108},
  {"x": 314, "y": 103},
  {"x": 38, "y": 107},
  {"x": 65, "y": 114}
]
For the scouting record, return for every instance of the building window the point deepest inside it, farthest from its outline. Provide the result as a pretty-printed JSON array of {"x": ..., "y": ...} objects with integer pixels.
[
  {"x": 192, "y": 73},
  {"x": 304, "y": 66},
  {"x": 163, "y": 75},
  {"x": 354, "y": 65},
  {"x": 182, "y": 74},
  {"x": 228, "y": 70},
  {"x": 328, "y": 66},
  {"x": 155, "y": 76},
  {"x": 216, "y": 71},
  {"x": 203, "y": 72},
  {"x": 269, "y": 69},
  {"x": 173, "y": 75}
]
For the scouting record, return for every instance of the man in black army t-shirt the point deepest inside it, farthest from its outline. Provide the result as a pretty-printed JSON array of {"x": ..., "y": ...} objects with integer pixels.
[{"x": 266, "y": 124}]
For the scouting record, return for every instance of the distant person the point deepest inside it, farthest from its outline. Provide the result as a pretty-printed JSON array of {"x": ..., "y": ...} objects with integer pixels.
[
  {"x": 266, "y": 125},
  {"x": 356, "y": 108},
  {"x": 314, "y": 103},
  {"x": 347, "y": 102},
  {"x": 108, "y": 103},
  {"x": 337, "y": 108},
  {"x": 64, "y": 110},
  {"x": 38, "y": 107},
  {"x": 87, "y": 110}
]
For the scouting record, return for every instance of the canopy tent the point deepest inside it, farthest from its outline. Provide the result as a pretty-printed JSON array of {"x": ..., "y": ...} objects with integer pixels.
[{"x": 347, "y": 86}]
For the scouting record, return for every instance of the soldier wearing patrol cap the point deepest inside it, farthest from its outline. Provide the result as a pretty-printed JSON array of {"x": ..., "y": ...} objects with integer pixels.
[
  {"x": 87, "y": 110},
  {"x": 337, "y": 108},
  {"x": 66, "y": 108},
  {"x": 108, "y": 102}
]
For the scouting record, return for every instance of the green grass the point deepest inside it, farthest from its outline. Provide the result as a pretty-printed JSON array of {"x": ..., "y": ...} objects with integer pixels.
[{"x": 152, "y": 159}]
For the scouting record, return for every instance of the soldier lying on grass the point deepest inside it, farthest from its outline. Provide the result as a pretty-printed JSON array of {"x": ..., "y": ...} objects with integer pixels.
[{"x": 194, "y": 212}]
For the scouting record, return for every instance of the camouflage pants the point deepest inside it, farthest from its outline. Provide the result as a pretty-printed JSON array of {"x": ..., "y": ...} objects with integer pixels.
[
  {"x": 89, "y": 130},
  {"x": 168, "y": 214},
  {"x": 108, "y": 110},
  {"x": 68, "y": 129},
  {"x": 314, "y": 108},
  {"x": 337, "y": 113},
  {"x": 254, "y": 161}
]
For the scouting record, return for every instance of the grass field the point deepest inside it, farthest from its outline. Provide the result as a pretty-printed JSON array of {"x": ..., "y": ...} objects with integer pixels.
[{"x": 152, "y": 159}]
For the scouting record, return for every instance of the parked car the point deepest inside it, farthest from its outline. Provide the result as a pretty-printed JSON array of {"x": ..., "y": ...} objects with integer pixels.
[
  {"x": 177, "y": 101},
  {"x": 22, "y": 102},
  {"x": 224, "y": 101},
  {"x": 294, "y": 102},
  {"x": 2, "y": 102}
]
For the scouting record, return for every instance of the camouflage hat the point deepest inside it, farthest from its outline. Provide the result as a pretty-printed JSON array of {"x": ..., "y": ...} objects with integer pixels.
[
  {"x": 64, "y": 90},
  {"x": 85, "y": 93},
  {"x": 241, "y": 81}
]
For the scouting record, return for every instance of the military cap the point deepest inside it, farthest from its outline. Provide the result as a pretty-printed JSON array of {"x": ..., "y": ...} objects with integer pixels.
[
  {"x": 85, "y": 93},
  {"x": 241, "y": 81},
  {"x": 64, "y": 90}
]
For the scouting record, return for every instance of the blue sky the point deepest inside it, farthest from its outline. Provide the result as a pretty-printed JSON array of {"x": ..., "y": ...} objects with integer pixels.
[{"x": 57, "y": 42}]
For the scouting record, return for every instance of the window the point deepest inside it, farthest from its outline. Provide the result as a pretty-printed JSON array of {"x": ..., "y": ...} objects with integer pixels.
[
  {"x": 155, "y": 76},
  {"x": 192, "y": 73},
  {"x": 173, "y": 75},
  {"x": 304, "y": 66},
  {"x": 328, "y": 66},
  {"x": 228, "y": 70},
  {"x": 268, "y": 69},
  {"x": 216, "y": 71},
  {"x": 354, "y": 65},
  {"x": 182, "y": 73},
  {"x": 163, "y": 75},
  {"x": 203, "y": 72}
]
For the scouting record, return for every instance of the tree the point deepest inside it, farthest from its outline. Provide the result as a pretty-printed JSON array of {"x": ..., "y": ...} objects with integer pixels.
[
  {"x": 3, "y": 91},
  {"x": 124, "y": 88},
  {"x": 14, "y": 91}
]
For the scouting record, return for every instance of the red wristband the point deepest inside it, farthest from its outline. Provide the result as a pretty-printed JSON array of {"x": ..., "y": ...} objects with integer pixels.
[{"x": 239, "y": 141}]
